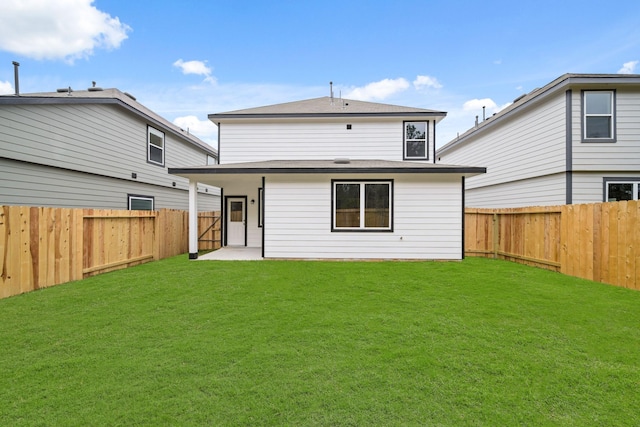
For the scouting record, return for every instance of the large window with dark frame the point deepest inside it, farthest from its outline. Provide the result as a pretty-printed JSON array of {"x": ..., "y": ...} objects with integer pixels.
[
  {"x": 598, "y": 116},
  {"x": 416, "y": 146},
  {"x": 362, "y": 205},
  {"x": 155, "y": 146},
  {"x": 621, "y": 189}
]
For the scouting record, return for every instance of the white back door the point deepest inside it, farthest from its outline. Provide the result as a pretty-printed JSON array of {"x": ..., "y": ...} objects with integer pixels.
[{"x": 236, "y": 224}]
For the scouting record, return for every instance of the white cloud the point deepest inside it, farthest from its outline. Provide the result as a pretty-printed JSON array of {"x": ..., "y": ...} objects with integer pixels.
[
  {"x": 203, "y": 129},
  {"x": 628, "y": 67},
  {"x": 477, "y": 104},
  {"x": 426, "y": 82},
  {"x": 195, "y": 67},
  {"x": 58, "y": 29},
  {"x": 6, "y": 88},
  {"x": 378, "y": 90},
  {"x": 490, "y": 106}
]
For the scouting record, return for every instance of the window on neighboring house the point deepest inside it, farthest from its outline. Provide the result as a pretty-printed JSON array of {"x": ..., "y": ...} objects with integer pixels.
[
  {"x": 211, "y": 160},
  {"x": 599, "y": 117},
  {"x": 362, "y": 205},
  {"x": 155, "y": 146},
  {"x": 140, "y": 203},
  {"x": 415, "y": 140},
  {"x": 621, "y": 189}
]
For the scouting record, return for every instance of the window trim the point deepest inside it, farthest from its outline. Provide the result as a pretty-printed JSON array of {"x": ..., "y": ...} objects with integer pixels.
[
  {"x": 583, "y": 116},
  {"x": 150, "y": 130},
  {"x": 362, "y": 229},
  {"x": 404, "y": 140},
  {"x": 140, "y": 197},
  {"x": 619, "y": 180}
]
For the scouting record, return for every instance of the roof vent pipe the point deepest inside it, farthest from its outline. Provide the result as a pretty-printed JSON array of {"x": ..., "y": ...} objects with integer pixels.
[
  {"x": 331, "y": 91},
  {"x": 483, "y": 113},
  {"x": 476, "y": 121},
  {"x": 16, "y": 77}
]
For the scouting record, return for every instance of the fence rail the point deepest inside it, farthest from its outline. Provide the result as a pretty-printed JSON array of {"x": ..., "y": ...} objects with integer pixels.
[
  {"x": 598, "y": 241},
  {"x": 41, "y": 247}
]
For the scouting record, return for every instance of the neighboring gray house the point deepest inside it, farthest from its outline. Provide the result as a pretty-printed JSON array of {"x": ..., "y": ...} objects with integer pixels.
[
  {"x": 95, "y": 149},
  {"x": 575, "y": 140},
  {"x": 334, "y": 178}
]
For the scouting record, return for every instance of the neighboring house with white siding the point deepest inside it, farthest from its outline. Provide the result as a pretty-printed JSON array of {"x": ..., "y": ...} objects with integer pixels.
[
  {"x": 330, "y": 178},
  {"x": 575, "y": 140},
  {"x": 95, "y": 149}
]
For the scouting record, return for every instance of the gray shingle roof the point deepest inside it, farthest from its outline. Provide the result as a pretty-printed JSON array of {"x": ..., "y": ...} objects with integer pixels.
[{"x": 326, "y": 106}]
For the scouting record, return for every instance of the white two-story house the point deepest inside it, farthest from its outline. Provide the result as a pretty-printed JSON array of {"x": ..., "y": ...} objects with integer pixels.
[
  {"x": 330, "y": 178},
  {"x": 575, "y": 140}
]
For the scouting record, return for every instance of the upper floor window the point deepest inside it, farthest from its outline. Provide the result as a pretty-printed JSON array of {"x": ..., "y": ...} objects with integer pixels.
[
  {"x": 415, "y": 140},
  {"x": 211, "y": 160},
  {"x": 598, "y": 116},
  {"x": 621, "y": 189},
  {"x": 155, "y": 146},
  {"x": 362, "y": 205}
]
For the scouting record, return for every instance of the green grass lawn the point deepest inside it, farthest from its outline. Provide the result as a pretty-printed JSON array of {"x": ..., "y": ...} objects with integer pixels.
[{"x": 478, "y": 342}]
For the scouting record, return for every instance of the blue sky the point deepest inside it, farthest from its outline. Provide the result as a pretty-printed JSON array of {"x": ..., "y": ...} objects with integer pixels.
[{"x": 185, "y": 59}]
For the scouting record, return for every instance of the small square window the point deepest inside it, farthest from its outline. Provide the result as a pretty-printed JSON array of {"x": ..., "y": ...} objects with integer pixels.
[
  {"x": 155, "y": 146},
  {"x": 416, "y": 145}
]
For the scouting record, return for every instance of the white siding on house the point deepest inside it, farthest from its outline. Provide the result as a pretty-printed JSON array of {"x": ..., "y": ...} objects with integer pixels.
[
  {"x": 529, "y": 144},
  {"x": 540, "y": 191},
  {"x": 314, "y": 140},
  {"x": 622, "y": 155},
  {"x": 28, "y": 184},
  {"x": 427, "y": 222}
]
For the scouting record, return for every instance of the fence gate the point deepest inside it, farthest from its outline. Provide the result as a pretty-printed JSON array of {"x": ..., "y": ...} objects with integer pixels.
[{"x": 209, "y": 237}]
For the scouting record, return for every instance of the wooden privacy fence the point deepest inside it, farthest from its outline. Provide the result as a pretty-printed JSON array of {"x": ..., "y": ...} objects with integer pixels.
[
  {"x": 597, "y": 241},
  {"x": 41, "y": 247}
]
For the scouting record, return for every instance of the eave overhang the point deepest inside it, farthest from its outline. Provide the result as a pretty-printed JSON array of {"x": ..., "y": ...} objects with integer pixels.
[{"x": 354, "y": 167}]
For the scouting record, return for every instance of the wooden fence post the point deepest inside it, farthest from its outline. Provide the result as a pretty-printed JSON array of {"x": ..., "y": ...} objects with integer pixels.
[
  {"x": 496, "y": 234},
  {"x": 158, "y": 222}
]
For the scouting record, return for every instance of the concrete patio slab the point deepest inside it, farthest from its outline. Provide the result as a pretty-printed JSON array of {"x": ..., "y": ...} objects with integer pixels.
[{"x": 233, "y": 253}]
